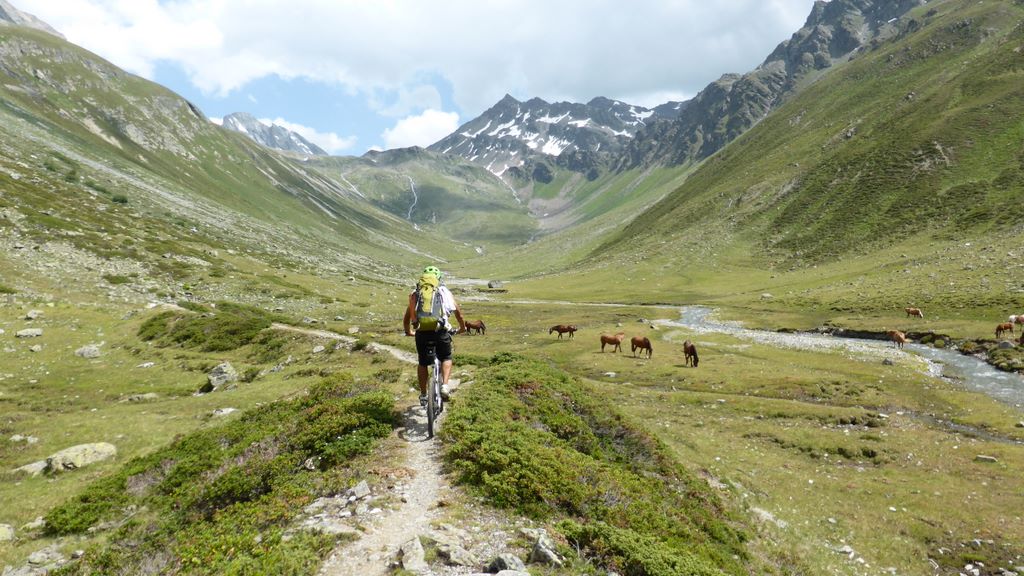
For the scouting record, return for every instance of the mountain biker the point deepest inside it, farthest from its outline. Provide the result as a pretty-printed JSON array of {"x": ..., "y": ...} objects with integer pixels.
[{"x": 436, "y": 341}]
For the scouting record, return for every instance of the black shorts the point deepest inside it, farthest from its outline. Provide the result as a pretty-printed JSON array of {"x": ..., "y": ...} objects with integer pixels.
[{"x": 430, "y": 343}]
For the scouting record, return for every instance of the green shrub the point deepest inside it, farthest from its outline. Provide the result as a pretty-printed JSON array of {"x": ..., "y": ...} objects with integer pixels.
[
  {"x": 531, "y": 438},
  {"x": 7, "y": 289},
  {"x": 218, "y": 501},
  {"x": 388, "y": 375},
  {"x": 119, "y": 199},
  {"x": 230, "y": 328},
  {"x": 632, "y": 554}
]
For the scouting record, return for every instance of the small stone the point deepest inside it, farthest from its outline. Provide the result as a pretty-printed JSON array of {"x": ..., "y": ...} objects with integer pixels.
[
  {"x": 35, "y": 348},
  {"x": 6, "y": 533},
  {"x": 506, "y": 561},
  {"x": 610, "y": 374},
  {"x": 33, "y": 314},
  {"x": 353, "y": 330},
  {"x": 29, "y": 333},
  {"x": 89, "y": 351},
  {"x": 147, "y": 397},
  {"x": 360, "y": 491},
  {"x": 986, "y": 459},
  {"x": 308, "y": 320},
  {"x": 766, "y": 296},
  {"x": 222, "y": 374},
  {"x": 412, "y": 556},
  {"x": 38, "y": 524},
  {"x": 1020, "y": 424},
  {"x": 146, "y": 365},
  {"x": 220, "y": 412},
  {"x": 544, "y": 552},
  {"x": 318, "y": 349},
  {"x": 1006, "y": 345},
  {"x": 887, "y": 362}
]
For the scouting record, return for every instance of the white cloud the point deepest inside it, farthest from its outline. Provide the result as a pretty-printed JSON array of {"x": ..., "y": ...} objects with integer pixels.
[
  {"x": 422, "y": 130},
  {"x": 571, "y": 49},
  {"x": 329, "y": 141}
]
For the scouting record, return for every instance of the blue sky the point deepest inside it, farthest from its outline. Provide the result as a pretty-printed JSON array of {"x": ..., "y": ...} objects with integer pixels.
[{"x": 354, "y": 75}]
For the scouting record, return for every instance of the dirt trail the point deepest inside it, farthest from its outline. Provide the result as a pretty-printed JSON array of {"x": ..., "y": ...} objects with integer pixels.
[{"x": 386, "y": 532}]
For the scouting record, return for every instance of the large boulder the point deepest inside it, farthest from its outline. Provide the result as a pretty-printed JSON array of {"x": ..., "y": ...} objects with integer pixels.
[
  {"x": 222, "y": 374},
  {"x": 79, "y": 456}
]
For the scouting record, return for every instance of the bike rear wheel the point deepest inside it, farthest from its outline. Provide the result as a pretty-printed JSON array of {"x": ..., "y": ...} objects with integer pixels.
[{"x": 433, "y": 398}]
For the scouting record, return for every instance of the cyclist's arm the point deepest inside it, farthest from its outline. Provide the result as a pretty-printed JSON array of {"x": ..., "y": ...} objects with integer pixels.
[
  {"x": 410, "y": 312},
  {"x": 458, "y": 316}
]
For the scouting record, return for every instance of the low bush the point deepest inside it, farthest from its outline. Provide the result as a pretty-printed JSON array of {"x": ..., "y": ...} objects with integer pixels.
[
  {"x": 218, "y": 501},
  {"x": 530, "y": 438},
  {"x": 229, "y": 328}
]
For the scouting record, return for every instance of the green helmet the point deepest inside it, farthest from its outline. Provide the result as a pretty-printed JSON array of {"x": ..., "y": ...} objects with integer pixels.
[{"x": 433, "y": 270}]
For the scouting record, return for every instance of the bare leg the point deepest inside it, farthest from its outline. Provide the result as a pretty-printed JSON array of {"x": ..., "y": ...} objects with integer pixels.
[
  {"x": 421, "y": 373},
  {"x": 446, "y": 371}
]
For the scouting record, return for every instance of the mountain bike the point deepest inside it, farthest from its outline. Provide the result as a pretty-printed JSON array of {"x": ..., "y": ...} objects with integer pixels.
[{"x": 435, "y": 402}]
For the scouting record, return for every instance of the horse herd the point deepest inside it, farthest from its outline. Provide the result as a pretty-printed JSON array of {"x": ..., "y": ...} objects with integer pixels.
[{"x": 899, "y": 338}]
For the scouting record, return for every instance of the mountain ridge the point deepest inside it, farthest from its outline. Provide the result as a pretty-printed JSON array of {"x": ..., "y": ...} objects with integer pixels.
[{"x": 271, "y": 136}]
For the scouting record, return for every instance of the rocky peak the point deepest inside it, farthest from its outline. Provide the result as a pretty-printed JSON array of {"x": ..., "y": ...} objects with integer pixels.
[
  {"x": 273, "y": 136},
  {"x": 12, "y": 16},
  {"x": 734, "y": 103}
]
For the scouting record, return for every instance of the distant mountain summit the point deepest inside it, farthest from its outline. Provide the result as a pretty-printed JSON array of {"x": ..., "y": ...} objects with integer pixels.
[
  {"x": 834, "y": 31},
  {"x": 526, "y": 136},
  {"x": 273, "y": 136},
  {"x": 11, "y": 15}
]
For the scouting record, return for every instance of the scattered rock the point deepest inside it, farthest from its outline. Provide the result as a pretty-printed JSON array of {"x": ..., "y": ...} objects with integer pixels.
[
  {"x": 308, "y": 320},
  {"x": 353, "y": 330},
  {"x": 505, "y": 562},
  {"x": 318, "y": 349},
  {"x": 38, "y": 524},
  {"x": 1006, "y": 345},
  {"x": 6, "y": 533},
  {"x": 360, "y": 491},
  {"x": 412, "y": 556},
  {"x": 35, "y": 348},
  {"x": 495, "y": 284},
  {"x": 887, "y": 362},
  {"x": 34, "y": 314},
  {"x": 25, "y": 439},
  {"x": 610, "y": 374},
  {"x": 147, "y": 397},
  {"x": 29, "y": 333},
  {"x": 48, "y": 559},
  {"x": 766, "y": 296},
  {"x": 543, "y": 552},
  {"x": 146, "y": 365},
  {"x": 78, "y": 456},
  {"x": 1020, "y": 424},
  {"x": 339, "y": 318},
  {"x": 88, "y": 351},
  {"x": 219, "y": 412},
  {"x": 33, "y": 469},
  {"x": 223, "y": 373},
  {"x": 986, "y": 459}
]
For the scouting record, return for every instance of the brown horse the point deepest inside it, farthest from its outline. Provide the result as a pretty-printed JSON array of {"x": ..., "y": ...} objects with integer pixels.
[
  {"x": 477, "y": 325},
  {"x": 1004, "y": 327},
  {"x": 614, "y": 341},
  {"x": 690, "y": 354},
  {"x": 643, "y": 344},
  {"x": 898, "y": 338},
  {"x": 914, "y": 312},
  {"x": 562, "y": 329},
  {"x": 1017, "y": 318}
]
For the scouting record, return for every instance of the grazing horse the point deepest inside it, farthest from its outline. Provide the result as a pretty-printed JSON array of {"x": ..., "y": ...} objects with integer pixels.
[
  {"x": 562, "y": 329},
  {"x": 690, "y": 354},
  {"x": 898, "y": 338},
  {"x": 477, "y": 325},
  {"x": 614, "y": 341},
  {"x": 914, "y": 312},
  {"x": 1004, "y": 327},
  {"x": 643, "y": 344},
  {"x": 1017, "y": 318}
]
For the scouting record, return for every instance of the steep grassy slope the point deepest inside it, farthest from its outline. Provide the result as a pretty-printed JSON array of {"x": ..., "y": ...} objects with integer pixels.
[
  {"x": 920, "y": 134},
  {"x": 433, "y": 192}
]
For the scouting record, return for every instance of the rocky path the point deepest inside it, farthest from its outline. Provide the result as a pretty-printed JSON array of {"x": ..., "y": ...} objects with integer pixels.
[
  {"x": 391, "y": 535},
  {"x": 417, "y": 508}
]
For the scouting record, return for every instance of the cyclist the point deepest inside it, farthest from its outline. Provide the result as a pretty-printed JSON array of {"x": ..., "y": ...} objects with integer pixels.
[{"x": 437, "y": 338}]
